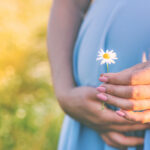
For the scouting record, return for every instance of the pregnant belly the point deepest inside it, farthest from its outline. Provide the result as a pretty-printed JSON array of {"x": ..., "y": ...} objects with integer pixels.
[{"x": 121, "y": 25}]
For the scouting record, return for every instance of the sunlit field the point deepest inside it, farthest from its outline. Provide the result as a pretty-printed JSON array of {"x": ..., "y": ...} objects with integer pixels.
[{"x": 30, "y": 117}]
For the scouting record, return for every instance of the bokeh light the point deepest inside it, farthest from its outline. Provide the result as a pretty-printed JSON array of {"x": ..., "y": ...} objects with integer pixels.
[{"x": 30, "y": 117}]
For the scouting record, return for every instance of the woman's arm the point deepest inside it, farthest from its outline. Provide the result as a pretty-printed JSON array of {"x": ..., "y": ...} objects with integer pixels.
[{"x": 66, "y": 17}]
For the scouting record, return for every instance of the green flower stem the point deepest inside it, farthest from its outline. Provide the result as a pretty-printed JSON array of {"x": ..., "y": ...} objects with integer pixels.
[
  {"x": 103, "y": 103},
  {"x": 107, "y": 68}
]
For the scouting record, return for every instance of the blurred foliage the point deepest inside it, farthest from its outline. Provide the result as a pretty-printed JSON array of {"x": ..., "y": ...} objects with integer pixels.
[{"x": 30, "y": 118}]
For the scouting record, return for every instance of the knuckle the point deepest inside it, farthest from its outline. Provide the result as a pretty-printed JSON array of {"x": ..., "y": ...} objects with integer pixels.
[
  {"x": 131, "y": 91},
  {"x": 134, "y": 92},
  {"x": 97, "y": 120},
  {"x": 114, "y": 76},
  {"x": 133, "y": 78},
  {"x": 111, "y": 100},
  {"x": 85, "y": 101},
  {"x": 110, "y": 89},
  {"x": 130, "y": 105}
]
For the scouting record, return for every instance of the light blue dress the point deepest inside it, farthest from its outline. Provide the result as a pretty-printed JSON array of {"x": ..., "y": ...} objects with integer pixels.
[{"x": 122, "y": 25}]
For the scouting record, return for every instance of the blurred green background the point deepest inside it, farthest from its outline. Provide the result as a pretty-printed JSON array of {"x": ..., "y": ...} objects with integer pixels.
[{"x": 30, "y": 117}]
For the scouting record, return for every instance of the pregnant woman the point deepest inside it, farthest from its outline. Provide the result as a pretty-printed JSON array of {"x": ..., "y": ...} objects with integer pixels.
[{"x": 77, "y": 30}]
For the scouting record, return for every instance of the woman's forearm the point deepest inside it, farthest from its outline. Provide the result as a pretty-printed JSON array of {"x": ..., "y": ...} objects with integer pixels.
[{"x": 66, "y": 17}]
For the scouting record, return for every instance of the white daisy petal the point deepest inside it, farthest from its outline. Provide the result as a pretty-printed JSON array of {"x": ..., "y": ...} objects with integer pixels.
[
  {"x": 102, "y": 51},
  {"x": 103, "y": 61},
  {"x": 113, "y": 61},
  {"x": 109, "y": 62},
  {"x": 107, "y": 51}
]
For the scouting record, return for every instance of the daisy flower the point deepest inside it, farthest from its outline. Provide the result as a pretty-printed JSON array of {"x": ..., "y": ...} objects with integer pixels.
[{"x": 107, "y": 57}]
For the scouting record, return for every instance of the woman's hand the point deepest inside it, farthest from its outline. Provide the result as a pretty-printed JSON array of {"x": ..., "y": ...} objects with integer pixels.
[
  {"x": 118, "y": 140},
  {"x": 82, "y": 104},
  {"x": 128, "y": 90}
]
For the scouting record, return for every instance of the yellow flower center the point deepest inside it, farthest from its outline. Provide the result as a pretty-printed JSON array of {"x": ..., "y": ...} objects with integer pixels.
[{"x": 106, "y": 56}]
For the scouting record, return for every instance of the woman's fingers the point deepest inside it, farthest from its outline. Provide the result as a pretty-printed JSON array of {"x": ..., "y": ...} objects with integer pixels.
[
  {"x": 127, "y": 128},
  {"x": 126, "y": 104},
  {"x": 123, "y": 141},
  {"x": 110, "y": 117},
  {"x": 119, "y": 78},
  {"x": 133, "y": 92},
  {"x": 126, "y": 141},
  {"x": 108, "y": 141},
  {"x": 116, "y": 101},
  {"x": 141, "y": 117},
  {"x": 136, "y": 75}
]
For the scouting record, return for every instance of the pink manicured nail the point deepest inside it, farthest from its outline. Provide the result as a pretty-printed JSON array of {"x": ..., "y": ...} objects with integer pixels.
[
  {"x": 101, "y": 89},
  {"x": 120, "y": 113},
  {"x": 103, "y": 79},
  {"x": 102, "y": 97}
]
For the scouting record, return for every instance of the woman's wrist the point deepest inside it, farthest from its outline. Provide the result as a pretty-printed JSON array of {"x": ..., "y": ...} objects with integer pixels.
[{"x": 64, "y": 98}]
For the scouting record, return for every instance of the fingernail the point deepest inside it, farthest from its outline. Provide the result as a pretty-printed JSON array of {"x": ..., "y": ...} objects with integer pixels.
[
  {"x": 102, "y": 97},
  {"x": 103, "y": 79},
  {"x": 101, "y": 89},
  {"x": 120, "y": 113}
]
